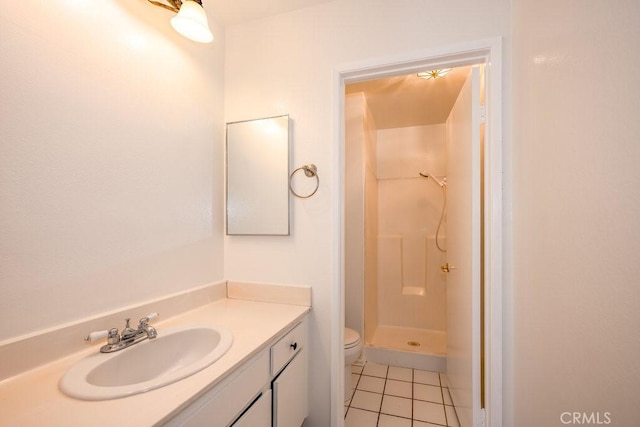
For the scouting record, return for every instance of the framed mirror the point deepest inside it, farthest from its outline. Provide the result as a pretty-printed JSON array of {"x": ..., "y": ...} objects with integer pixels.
[{"x": 258, "y": 177}]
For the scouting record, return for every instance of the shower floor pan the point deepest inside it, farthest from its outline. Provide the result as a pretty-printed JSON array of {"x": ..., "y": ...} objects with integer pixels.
[{"x": 408, "y": 347}]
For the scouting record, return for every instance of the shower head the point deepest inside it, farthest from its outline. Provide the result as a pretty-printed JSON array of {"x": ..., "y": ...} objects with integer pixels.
[{"x": 441, "y": 182}]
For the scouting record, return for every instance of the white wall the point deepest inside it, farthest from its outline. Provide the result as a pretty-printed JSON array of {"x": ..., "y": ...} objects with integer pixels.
[
  {"x": 576, "y": 204},
  {"x": 286, "y": 64},
  {"x": 110, "y": 160}
]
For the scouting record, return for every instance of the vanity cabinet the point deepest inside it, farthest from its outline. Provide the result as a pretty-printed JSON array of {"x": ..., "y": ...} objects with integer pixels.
[{"x": 270, "y": 390}]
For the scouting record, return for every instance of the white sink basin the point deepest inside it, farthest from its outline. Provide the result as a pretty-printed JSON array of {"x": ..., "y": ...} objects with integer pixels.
[{"x": 173, "y": 355}]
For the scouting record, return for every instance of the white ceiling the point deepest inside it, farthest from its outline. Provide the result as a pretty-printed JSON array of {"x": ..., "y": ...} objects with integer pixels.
[
  {"x": 410, "y": 100},
  {"x": 229, "y": 12}
]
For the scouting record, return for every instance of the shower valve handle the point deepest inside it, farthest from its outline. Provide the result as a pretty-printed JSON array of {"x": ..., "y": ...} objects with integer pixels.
[{"x": 446, "y": 268}]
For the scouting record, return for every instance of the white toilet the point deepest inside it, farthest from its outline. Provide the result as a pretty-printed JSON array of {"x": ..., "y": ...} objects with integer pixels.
[{"x": 352, "y": 351}]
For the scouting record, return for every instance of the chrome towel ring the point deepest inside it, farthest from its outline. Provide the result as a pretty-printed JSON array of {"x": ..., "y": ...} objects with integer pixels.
[{"x": 311, "y": 171}]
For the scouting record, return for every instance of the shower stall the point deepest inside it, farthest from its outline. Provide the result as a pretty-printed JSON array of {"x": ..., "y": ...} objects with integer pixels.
[{"x": 395, "y": 238}]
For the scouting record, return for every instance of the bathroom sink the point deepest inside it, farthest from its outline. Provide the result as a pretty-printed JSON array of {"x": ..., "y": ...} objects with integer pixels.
[{"x": 173, "y": 355}]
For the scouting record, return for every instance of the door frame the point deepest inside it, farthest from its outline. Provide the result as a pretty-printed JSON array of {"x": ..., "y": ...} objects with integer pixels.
[{"x": 489, "y": 52}]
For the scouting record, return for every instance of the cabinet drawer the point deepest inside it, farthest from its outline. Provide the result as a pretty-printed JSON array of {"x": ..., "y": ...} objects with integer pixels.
[{"x": 287, "y": 347}]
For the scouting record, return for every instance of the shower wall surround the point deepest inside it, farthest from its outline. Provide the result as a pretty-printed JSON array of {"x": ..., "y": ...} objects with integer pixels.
[
  {"x": 410, "y": 288},
  {"x": 392, "y": 274},
  {"x": 361, "y": 216}
]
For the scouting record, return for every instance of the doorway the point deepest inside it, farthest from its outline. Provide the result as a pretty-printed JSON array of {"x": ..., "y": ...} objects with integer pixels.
[
  {"x": 395, "y": 211},
  {"x": 487, "y": 54}
]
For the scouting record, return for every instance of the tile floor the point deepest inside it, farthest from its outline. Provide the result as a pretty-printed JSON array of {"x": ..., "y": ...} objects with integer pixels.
[{"x": 390, "y": 396}]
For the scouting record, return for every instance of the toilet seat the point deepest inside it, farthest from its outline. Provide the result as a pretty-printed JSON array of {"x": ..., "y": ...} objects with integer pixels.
[{"x": 351, "y": 338}]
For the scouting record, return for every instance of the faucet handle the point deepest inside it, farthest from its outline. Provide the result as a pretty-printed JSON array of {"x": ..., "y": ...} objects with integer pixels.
[
  {"x": 111, "y": 335},
  {"x": 96, "y": 335},
  {"x": 148, "y": 318}
]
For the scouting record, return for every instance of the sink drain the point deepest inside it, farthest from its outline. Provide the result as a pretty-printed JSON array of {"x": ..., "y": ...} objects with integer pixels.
[{"x": 413, "y": 343}]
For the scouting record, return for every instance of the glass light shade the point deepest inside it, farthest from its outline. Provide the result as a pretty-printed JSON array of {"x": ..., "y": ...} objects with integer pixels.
[{"x": 191, "y": 22}]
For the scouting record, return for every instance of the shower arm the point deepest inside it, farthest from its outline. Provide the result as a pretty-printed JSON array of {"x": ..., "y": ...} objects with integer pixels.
[{"x": 441, "y": 183}]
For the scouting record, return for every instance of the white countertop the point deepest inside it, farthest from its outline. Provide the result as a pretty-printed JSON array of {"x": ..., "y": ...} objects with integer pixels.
[{"x": 33, "y": 398}]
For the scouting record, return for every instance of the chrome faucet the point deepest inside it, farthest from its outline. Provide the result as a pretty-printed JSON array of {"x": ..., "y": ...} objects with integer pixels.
[{"x": 129, "y": 336}]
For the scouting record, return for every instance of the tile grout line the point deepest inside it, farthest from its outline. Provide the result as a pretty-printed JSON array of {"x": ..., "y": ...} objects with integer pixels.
[
  {"x": 384, "y": 386},
  {"x": 386, "y": 376},
  {"x": 446, "y": 421},
  {"x": 355, "y": 387},
  {"x": 413, "y": 385}
]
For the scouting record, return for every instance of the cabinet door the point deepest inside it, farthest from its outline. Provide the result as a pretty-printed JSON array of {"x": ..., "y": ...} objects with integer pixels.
[
  {"x": 259, "y": 414},
  {"x": 221, "y": 405},
  {"x": 290, "y": 394}
]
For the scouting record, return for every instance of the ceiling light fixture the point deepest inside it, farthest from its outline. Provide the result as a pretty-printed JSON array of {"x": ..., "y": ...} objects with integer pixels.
[
  {"x": 434, "y": 74},
  {"x": 191, "y": 19}
]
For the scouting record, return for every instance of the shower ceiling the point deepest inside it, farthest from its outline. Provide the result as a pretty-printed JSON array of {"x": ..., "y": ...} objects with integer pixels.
[{"x": 410, "y": 100}]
